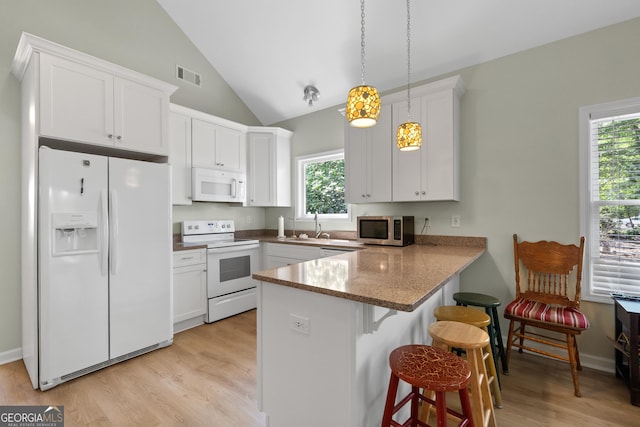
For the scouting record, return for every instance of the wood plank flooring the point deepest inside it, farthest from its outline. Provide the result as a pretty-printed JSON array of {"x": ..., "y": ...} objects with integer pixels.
[{"x": 207, "y": 378}]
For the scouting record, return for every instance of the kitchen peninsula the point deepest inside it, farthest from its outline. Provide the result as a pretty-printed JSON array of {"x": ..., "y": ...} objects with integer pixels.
[{"x": 327, "y": 326}]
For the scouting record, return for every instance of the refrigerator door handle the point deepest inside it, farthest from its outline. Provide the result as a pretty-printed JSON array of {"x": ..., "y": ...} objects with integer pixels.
[
  {"x": 104, "y": 252},
  {"x": 113, "y": 246}
]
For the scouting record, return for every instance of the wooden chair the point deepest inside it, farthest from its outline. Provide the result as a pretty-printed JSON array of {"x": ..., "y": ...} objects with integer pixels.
[{"x": 548, "y": 298}]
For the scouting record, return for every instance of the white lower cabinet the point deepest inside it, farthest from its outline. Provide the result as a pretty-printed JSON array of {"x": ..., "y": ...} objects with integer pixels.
[
  {"x": 281, "y": 254},
  {"x": 189, "y": 288}
]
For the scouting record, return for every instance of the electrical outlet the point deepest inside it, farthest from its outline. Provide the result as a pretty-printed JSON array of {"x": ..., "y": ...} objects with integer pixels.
[
  {"x": 299, "y": 323},
  {"x": 455, "y": 220}
]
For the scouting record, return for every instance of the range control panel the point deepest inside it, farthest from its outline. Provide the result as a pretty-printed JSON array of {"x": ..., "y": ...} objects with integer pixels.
[{"x": 207, "y": 227}]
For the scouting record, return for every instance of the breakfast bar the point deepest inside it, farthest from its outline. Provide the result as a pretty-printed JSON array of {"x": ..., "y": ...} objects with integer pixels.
[{"x": 327, "y": 326}]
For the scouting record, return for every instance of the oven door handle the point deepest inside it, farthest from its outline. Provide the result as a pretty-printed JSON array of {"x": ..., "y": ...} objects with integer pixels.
[{"x": 236, "y": 248}]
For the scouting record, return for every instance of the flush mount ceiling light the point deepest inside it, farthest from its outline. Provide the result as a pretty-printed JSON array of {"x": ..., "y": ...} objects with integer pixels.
[
  {"x": 363, "y": 103},
  {"x": 311, "y": 95},
  {"x": 409, "y": 135}
]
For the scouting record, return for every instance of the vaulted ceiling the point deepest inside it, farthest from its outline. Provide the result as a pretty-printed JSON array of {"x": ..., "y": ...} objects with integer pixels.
[{"x": 268, "y": 51}]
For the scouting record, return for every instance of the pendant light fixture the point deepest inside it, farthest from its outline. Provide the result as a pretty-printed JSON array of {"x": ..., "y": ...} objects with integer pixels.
[
  {"x": 409, "y": 135},
  {"x": 363, "y": 103}
]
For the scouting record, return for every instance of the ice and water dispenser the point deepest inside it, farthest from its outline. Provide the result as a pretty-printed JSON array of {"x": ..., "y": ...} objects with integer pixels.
[{"x": 75, "y": 233}]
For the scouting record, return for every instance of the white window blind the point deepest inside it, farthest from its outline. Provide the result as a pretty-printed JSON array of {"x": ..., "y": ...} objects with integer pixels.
[{"x": 610, "y": 190}]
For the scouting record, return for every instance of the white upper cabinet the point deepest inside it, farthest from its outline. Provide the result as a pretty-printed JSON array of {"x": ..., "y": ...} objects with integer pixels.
[
  {"x": 140, "y": 117},
  {"x": 431, "y": 173},
  {"x": 76, "y": 102},
  {"x": 85, "y": 100},
  {"x": 269, "y": 163},
  {"x": 200, "y": 140},
  {"x": 218, "y": 144},
  {"x": 180, "y": 156},
  {"x": 367, "y": 155}
]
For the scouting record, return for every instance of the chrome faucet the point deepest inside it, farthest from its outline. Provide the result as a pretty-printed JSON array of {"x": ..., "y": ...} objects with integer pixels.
[
  {"x": 293, "y": 234},
  {"x": 320, "y": 234}
]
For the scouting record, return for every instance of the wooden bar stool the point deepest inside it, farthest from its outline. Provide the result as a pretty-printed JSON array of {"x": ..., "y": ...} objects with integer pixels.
[
  {"x": 429, "y": 368},
  {"x": 490, "y": 305},
  {"x": 447, "y": 334},
  {"x": 481, "y": 320}
]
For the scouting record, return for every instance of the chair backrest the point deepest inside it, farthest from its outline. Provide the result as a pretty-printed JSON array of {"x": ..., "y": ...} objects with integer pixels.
[{"x": 552, "y": 272}]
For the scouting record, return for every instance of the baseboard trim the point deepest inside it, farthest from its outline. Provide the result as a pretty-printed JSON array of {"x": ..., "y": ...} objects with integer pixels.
[{"x": 10, "y": 356}]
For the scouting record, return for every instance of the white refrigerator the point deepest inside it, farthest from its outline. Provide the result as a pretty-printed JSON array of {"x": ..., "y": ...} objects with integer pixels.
[{"x": 104, "y": 262}]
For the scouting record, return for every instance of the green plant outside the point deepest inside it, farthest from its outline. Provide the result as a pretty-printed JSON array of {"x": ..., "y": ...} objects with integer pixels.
[{"x": 325, "y": 187}]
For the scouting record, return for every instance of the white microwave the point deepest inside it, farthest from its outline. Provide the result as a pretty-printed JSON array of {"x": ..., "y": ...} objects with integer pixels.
[{"x": 210, "y": 185}]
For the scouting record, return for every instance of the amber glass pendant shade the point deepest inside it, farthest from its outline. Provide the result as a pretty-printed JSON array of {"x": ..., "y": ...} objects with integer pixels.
[
  {"x": 409, "y": 136},
  {"x": 363, "y": 106}
]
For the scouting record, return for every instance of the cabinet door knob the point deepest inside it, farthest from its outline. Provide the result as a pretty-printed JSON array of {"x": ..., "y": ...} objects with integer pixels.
[
  {"x": 110, "y": 136},
  {"x": 119, "y": 137},
  {"x": 364, "y": 195},
  {"x": 368, "y": 195},
  {"x": 417, "y": 193},
  {"x": 424, "y": 192}
]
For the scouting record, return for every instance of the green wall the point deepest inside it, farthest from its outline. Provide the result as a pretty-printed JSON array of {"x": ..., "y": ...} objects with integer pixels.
[
  {"x": 519, "y": 157},
  {"x": 519, "y": 147}
]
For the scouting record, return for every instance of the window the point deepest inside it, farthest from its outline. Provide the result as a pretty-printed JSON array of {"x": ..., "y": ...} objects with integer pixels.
[
  {"x": 610, "y": 198},
  {"x": 320, "y": 186}
]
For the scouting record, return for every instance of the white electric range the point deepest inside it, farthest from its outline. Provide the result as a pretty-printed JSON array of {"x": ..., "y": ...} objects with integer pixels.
[{"x": 230, "y": 264}]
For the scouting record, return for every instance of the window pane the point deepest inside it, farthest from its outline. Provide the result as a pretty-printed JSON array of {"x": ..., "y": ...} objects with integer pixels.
[
  {"x": 615, "y": 264},
  {"x": 619, "y": 159},
  {"x": 324, "y": 187},
  {"x": 620, "y": 233}
]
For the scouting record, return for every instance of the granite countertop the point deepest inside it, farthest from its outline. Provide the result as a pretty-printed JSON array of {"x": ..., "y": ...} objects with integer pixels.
[{"x": 391, "y": 277}]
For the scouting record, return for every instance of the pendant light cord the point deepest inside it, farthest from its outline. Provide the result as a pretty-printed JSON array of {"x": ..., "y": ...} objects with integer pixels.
[
  {"x": 362, "y": 41},
  {"x": 408, "y": 60}
]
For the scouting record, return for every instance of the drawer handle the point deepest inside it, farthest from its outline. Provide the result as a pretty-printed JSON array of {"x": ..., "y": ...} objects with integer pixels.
[{"x": 184, "y": 258}]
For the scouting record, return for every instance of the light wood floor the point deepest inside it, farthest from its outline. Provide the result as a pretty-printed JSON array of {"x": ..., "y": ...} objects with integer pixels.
[{"x": 207, "y": 378}]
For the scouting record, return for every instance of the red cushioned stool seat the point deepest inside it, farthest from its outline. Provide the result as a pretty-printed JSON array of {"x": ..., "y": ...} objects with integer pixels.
[{"x": 432, "y": 369}]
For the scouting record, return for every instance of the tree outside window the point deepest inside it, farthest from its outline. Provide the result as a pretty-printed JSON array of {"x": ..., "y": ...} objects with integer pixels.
[{"x": 321, "y": 185}]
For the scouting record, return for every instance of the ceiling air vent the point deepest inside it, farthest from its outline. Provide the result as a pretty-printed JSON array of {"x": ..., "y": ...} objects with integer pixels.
[{"x": 187, "y": 75}]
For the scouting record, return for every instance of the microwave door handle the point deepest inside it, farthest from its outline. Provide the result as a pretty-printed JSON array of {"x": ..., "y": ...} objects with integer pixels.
[{"x": 234, "y": 187}]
